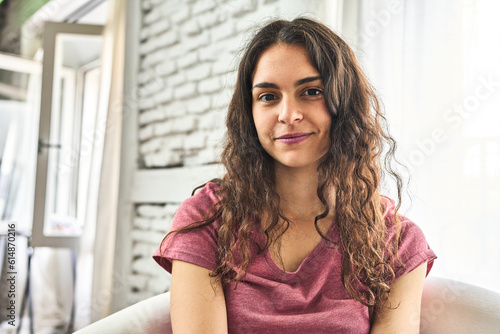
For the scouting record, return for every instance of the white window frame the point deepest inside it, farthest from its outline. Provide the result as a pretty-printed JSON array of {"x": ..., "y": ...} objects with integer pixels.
[{"x": 51, "y": 30}]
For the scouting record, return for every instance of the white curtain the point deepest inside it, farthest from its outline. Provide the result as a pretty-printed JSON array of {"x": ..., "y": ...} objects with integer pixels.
[
  {"x": 104, "y": 209},
  {"x": 97, "y": 246},
  {"x": 436, "y": 66}
]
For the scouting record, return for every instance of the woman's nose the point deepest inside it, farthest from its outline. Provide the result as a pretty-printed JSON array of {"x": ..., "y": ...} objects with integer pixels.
[{"x": 290, "y": 111}]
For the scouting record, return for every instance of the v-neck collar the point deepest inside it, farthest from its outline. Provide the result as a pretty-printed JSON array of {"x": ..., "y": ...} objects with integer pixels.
[{"x": 320, "y": 247}]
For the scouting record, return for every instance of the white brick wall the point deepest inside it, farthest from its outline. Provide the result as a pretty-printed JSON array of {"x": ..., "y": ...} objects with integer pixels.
[
  {"x": 188, "y": 56},
  {"x": 188, "y": 53},
  {"x": 151, "y": 224}
]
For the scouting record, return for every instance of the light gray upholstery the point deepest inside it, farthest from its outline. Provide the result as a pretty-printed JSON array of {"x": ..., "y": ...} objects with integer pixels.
[
  {"x": 151, "y": 316},
  {"x": 455, "y": 307},
  {"x": 447, "y": 307}
]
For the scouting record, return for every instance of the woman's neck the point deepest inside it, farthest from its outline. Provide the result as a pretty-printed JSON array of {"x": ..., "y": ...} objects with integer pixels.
[{"x": 297, "y": 188}]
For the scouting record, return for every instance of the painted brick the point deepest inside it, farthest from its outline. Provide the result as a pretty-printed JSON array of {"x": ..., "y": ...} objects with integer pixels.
[
  {"x": 150, "y": 116},
  {"x": 188, "y": 60},
  {"x": 163, "y": 159},
  {"x": 151, "y": 146},
  {"x": 145, "y": 33},
  {"x": 207, "y": 20},
  {"x": 195, "y": 42},
  {"x": 183, "y": 124},
  {"x": 229, "y": 80},
  {"x": 153, "y": 58},
  {"x": 175, "y": 51},
  {"x": 234, "y": 45},
  {"x": 140, "y": 248},
  {"x": 150, "y": 211},
  {"x": 157, "y": 2},
  {"x": 206, "y": 121},
  {"x": 198, "y": 104},
  {"x": 204, "y": 6},
  {"x": 146, "y": 266},
  {"x": 165, "y": 96},
  {"x": 159, "y": 285},
  {"x": 151, "y": 88},
  {"x": 147, "y": 77},
  {"x": 168, "y": 38},
  {"x": 174, "y": 142},
  {"x": 168, "y": 7},
  {"x": 146, "y": 103},
  {"x": 215, "y": 138},
  {"x": 138, "y": 281},
  {"x": 196, "y": 140},
  {"x": 224, "y": 64},
  {"x": 248, "y": 22},
  {"x": 191, "y": 27},
  {"x": 175, "y": 109},
  {"x": 161, "y": 225},
  {"x": 186, "y": 90},
  {"x": 198, "y": 72},
  {"x": 159, "y": 26},
  {"x": 209, "y": 155},
  {"x": 144, "y": 77},
  {"x": 176, "y": 79},
  {"x": 162, "y": 128},
  {"x": 209, "y": 85},
  {"x": 147, "y": 47},
  {"x": 142, "y": 223},
  {"x": 146, "y": 5},
  {"x": 242, "y": 7},
  {"x": 212, "y": 51},
  {"x": 223, "y": 30},
  {"x": 221, "y": 99},
  {"x": 151, "y": 237},
  {"x": 166, "y": 67},
  {"x": 205, "y": 156},
  {"x": 181, "y": 15},
  {"x": 170, "y": 209},
  {"x": 146, "y": 133},
  {"x": 219, "y": 118},
  {"x": 151, "y": 17}
]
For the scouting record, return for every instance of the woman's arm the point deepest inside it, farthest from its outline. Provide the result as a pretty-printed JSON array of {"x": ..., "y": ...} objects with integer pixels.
[
  {"x": 404, "y": 300},
  {"x": 197, "y": 303}
]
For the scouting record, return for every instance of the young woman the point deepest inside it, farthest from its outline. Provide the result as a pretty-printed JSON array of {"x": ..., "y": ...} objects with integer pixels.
[{"x": 296, "y": 237}]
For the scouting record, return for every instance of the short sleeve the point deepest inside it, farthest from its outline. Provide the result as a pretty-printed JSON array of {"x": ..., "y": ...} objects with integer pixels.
[
  {"x": 198, "y": 246},
  {"x": 413, "y": 247}
]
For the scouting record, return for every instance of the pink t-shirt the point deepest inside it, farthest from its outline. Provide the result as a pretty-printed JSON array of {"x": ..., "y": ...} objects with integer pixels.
[{"x": 269, "y": 300}]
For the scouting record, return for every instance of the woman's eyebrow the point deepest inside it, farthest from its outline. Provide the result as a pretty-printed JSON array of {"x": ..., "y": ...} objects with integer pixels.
[
  {"x": 307, "y": 80},
  {"x": 265, "y": 85},
  {"x": 297, "y": 83}
]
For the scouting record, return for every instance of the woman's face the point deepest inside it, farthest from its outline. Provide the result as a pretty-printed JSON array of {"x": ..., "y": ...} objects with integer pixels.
[{"x": 288, "y": 106}]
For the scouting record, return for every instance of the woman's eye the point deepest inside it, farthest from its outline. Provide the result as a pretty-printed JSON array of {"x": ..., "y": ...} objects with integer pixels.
[
  {"x": 267, "y": 97},
  {"x": 312, "y": 92}
]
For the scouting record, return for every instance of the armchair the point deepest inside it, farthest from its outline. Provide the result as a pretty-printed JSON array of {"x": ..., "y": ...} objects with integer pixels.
[{"x": 447, "y": 307}]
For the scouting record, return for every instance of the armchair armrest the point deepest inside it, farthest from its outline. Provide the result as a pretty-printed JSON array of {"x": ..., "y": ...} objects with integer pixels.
[
  {"x": 455, "y": 307},
  {"x": 150, "y": 316}
]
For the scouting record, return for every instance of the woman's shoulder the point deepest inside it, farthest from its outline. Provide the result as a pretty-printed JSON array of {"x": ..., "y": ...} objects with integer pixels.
[
  {"x": 406, "y": 225},
  {"x": 409, "y": 231},
  {"x": 199, "y": 205},
  {"x": 389, "y": 211},
  {"x": 413, "y": 248},
  {"x": 205, "y": 195}
]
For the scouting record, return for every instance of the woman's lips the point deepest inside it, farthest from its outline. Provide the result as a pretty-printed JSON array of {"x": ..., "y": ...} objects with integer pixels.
[{"x": 293, "y": 138}]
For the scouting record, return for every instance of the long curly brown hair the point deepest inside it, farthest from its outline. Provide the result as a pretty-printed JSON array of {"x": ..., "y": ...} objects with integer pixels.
[{"x": 360, "y": 154}]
